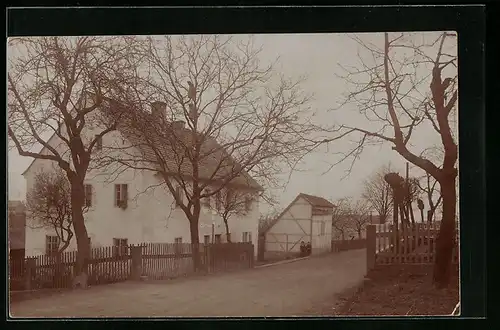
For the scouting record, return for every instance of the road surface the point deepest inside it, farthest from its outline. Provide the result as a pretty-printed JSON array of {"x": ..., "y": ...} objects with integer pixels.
[{"x": 281, "y": 290}]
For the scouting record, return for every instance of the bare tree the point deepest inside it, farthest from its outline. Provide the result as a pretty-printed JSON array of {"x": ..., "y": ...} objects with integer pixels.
[
  {"x": 266, "y": 219},
  {"x": 359, "y": 216},
  {"x": 404, "y": 87},
  {"x": 230, "y": 203},
  {"x": 48, "y": 205},
  {"x": 49, "y": 79},
  {"x": 341, "y": 224},
  {"x": 222, "y": 116},
  {"x": 378, "y": 193},
  {"x": 428, "y": 185}
]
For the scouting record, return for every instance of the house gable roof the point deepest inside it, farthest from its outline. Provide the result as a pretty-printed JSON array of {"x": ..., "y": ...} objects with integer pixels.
[
  {"x": 217, "y": 159},
  {"x": 312, "y": 200},
  {"x": 41, "y": 150},
  {"x": 214, "y": 158},
  {"x": 317, "y": 201}
]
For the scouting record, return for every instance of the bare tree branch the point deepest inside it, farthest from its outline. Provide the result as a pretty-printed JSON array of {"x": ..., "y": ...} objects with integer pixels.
[
  {"x": 48, "y": 205},
  {"x": 225, "y": 121},
  {"x": 404, "y": 87},
  {"x": 56, "y": 88},
  {"x": 378, "y": 193}
]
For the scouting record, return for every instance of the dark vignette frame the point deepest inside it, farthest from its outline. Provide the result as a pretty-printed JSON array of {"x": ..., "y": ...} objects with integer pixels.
[{"x": 468, "y": 21}]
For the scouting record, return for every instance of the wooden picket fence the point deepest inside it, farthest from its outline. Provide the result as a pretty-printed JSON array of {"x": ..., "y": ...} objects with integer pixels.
[
  {"x": 115, "y": 264},
  {"x": 415, "y": 244},
  {"x": 170, "y": 260},
  {"x": 107, "y": 265},
  {"x": 167, "y": 260},
  {"x": 228, "y": 256}
]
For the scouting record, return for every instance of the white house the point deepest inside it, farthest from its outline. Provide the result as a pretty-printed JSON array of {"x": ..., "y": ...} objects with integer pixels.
[
  {"x": 309, "y": 219},
  {"x": 132, "y": 206}
]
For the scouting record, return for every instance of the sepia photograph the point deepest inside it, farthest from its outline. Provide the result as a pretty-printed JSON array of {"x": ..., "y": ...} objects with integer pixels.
[{"x": 229, "y": 175}]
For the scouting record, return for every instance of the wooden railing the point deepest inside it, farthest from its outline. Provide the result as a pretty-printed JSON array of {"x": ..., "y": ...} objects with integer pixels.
[{"x": 415, "y": 244}]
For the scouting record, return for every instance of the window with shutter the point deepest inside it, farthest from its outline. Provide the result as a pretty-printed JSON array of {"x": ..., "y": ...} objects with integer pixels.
[
  {"x": 121, "y": 195},
  {"x": 88, "y": 195},
  {"x": 125, "y": 192},
  {"x": 117, "y": 194},
  {"x": 179, "y": 195}
]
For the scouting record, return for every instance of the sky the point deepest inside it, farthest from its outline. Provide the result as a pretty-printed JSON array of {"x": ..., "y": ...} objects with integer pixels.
[{"x": 317, "y": 56}]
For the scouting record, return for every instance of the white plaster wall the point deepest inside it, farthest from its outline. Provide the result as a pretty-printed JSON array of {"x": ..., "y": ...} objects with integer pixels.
[{"x": 293, "y": 226}]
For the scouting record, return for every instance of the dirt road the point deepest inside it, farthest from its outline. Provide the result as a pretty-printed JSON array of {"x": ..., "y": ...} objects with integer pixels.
[{"x": 282, "y": 290}]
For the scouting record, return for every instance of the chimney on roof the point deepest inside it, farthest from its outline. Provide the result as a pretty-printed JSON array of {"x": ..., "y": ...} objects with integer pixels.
[
  {"x": 178, "y": 124},
  {"x": 159, "y": 109}
]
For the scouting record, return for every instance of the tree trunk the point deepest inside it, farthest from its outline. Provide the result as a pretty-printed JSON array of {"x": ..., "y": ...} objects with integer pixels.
[
  {"x": 395, "y": 221},
  {"x": 412, "y": 215},
  {"x": 228, "y": 235},
  {"x": 402, "y": 214},
  {"x": 195, "y": 244},
  {"x": 446, "y": 238},
  {"x": 82, "y": 242}
]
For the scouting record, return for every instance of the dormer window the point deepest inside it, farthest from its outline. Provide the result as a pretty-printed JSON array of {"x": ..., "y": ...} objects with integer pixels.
[
  {"x": 248, "y": 203},
  {"x": 98, "y": 143},
  {"x": 179, "y": 196},
  {"x": 206, "y": 200}
]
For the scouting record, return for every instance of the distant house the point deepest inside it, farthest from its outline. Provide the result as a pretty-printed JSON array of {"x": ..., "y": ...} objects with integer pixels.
[
  {"x": 122, "y": 210},
  {"x": 308, "y": 218},
  {"x": 17, "y": 224}
]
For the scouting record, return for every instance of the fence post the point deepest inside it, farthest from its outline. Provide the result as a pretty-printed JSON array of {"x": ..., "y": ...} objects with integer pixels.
[
  {"x": 136, "y": 255},
  {"x": 30, "y": 265},
  {"x": 371, "y": 246}
]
